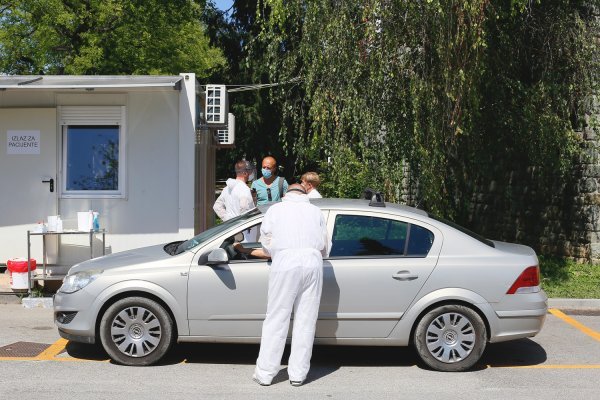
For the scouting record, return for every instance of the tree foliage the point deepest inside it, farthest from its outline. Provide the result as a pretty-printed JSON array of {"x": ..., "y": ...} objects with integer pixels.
[
  {"x": 258, "y": 117},
  {"x": 104, "y": 37},
  {"x": 430, "y": 95}
]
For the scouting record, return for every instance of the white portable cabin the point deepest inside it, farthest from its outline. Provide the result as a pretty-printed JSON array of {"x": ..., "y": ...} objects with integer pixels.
[{"x": 124, "y": 146}]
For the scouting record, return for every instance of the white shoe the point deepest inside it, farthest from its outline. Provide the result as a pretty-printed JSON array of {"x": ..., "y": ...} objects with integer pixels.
[
  {"x": 296, "y": 383},
  {"x": 255, "y": 379}
]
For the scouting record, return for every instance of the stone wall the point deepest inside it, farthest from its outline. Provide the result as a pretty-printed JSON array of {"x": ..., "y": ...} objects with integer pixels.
[{"x": 556, "y": 216}]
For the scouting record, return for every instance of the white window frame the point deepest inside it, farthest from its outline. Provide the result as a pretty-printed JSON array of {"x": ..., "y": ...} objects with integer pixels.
[{"x": 93, "y": 116}]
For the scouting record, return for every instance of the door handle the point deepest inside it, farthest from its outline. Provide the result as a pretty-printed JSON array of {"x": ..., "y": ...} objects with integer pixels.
[
  {"x": 51, "y": 182},
  {"x": 405, "y": 276}
]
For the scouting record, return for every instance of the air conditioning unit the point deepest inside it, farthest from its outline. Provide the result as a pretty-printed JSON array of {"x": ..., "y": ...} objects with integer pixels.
[
  {"x": 216, "y": 104},
  {"x": 227, "y": 136}
]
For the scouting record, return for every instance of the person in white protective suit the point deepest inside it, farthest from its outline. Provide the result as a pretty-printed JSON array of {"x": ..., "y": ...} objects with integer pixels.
[
  {"x": 236, "y": 198},
  {"x": 294, "y": 234}
]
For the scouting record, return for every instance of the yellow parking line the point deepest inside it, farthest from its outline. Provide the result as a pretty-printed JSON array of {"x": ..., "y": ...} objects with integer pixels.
[
  {"x": 53, "y": 350},
  {"x": 576, "y": 324}
]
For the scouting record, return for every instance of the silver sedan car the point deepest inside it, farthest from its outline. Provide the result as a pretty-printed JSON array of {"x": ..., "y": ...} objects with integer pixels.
[{"x": 395, "y": 276}]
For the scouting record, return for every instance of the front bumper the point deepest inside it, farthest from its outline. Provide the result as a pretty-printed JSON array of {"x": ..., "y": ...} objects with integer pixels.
[{"x": 82, "y": 327}]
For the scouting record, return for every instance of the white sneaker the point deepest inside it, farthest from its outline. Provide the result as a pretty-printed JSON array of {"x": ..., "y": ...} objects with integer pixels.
[
  {"x": 255, "y": 379},
  {"x": 296, "y": 383}
]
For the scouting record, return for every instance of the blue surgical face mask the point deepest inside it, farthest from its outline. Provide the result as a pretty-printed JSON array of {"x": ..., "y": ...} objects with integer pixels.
[{"x": 266, "y": 173}]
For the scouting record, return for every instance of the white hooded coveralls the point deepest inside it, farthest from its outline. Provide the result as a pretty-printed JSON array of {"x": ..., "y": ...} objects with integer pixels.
[
  {"x": 234, "y": 200},
  {"x": 294, "y": 233}
]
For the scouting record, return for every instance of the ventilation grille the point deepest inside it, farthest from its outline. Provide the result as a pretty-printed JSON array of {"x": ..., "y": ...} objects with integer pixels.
[
  {"x": 92, "y": 115},
  {"x": 224, "y": 137},
  {"x": 227, "y": 136}
]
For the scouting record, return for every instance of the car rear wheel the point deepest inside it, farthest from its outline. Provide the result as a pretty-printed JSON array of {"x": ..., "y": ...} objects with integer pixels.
[
  {"x": 450, "y": 338},
  {"x": 136, "y": 331}
]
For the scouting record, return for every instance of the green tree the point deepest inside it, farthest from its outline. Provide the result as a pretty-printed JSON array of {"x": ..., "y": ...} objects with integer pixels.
[
  {"x": 104, "y": 37},
  {"x": 258, "y": 116},
  {"x": 430, "y": 95}
]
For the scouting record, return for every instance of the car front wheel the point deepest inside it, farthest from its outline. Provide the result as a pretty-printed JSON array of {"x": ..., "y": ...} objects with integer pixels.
[
  {"x": 136, "y": 331},
  {"x": 450, "y": 338}
]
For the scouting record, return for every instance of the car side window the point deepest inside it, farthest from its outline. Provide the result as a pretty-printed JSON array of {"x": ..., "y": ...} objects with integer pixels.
[
  {"x": 358, "y": 235},
  {"x": 420, "y": 241},
  {"x": 249, "y": 237}
]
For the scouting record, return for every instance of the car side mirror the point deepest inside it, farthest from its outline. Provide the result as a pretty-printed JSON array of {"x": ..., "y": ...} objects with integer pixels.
[{"x": 217, "y": 256}]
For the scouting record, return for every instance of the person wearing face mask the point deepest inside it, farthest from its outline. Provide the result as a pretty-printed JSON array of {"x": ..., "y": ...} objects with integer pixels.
[
  {"x": 236, "y": 198},
  {"x": 269, "y": 187}
]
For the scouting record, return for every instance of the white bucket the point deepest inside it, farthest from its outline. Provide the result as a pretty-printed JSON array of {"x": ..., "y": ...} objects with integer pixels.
[{"x": 18, "y": 280}]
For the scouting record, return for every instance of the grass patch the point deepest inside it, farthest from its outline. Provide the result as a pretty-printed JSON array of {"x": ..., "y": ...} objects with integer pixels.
[{"x": 563, "y": 278}]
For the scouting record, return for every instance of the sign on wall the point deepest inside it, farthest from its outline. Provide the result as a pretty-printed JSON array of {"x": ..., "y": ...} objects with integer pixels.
[{"x": 22, "y": 142}]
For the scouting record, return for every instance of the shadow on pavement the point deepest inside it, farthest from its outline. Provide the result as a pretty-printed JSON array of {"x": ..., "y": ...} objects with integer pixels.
[
  {"x": 323, "y": 356},
  {"x": 82, "y": 351},
  {"x": 327, "y": 359},
  {"x": 516, "y": 353}
]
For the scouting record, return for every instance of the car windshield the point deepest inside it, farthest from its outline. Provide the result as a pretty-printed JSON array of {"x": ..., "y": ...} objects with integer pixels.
[{"x": 215, "y": 230}]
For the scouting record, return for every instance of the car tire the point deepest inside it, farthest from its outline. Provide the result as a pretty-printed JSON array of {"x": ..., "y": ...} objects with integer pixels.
[
  {"x": 450, "y": 338},
  {"x": 136, "y": 331}
]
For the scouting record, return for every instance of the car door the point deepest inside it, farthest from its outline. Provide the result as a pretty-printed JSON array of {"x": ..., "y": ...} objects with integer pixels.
[
  {"x": 228, "y": 300},
  {"x": 373, "y": 272}
]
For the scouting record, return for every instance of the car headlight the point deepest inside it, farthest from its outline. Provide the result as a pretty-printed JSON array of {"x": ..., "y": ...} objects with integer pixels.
[{"x": 79, "y": 280}]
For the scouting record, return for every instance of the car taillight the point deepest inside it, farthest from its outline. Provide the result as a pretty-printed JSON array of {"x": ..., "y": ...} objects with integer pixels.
[{"x": 527, "y": 282}]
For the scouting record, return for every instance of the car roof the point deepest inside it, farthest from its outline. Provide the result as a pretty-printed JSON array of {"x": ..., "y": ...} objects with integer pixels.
[{"x": 360, "y": 205}]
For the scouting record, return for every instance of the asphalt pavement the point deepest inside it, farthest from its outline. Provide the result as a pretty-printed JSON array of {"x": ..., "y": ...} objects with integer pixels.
[{"x": 562, "y": 362}]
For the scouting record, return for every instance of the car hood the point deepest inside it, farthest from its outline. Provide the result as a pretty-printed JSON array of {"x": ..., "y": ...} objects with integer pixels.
[{"x": 124, "y": 259}]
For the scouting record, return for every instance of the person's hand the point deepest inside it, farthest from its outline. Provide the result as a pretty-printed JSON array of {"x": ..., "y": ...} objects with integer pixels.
[{"x": 238, "y": 247}]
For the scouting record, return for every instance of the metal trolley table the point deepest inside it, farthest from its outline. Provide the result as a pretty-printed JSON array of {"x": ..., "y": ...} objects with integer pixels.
[{"x": 45, "y": 276}]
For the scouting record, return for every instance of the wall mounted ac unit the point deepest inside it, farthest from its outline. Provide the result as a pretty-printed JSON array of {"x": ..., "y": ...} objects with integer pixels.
[
  {"x": 227, "y": 136},
  {"x": 216, "y": 104}
]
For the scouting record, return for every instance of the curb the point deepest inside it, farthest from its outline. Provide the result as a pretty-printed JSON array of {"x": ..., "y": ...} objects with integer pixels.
[
  {"x": 38, "y": 302},
  {"x": 9, "y": 298},
  {"x": 574, "y": 304}
]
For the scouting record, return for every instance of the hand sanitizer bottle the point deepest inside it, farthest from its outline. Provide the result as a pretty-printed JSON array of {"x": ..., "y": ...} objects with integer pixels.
[{"x": 96, "y": 222}]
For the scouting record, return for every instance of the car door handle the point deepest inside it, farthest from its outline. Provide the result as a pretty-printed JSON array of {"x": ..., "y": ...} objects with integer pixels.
[{"x": 405, "y": 276}]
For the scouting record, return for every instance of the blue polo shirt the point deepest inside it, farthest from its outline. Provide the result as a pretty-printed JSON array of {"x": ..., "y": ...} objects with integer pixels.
[{"x": 261, "y": 190}]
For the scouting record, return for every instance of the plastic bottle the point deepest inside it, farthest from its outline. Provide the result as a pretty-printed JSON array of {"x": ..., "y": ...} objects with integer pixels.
[{"x": 96, "y": 222}]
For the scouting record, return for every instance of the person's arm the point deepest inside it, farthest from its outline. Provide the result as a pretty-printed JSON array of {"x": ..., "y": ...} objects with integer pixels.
[
  {"x": 246, "y": 203},
  {"x": 219, "y": 207},
  {"x": 326, "y": 242},
  {"x": 258, "y": 253},
  {"x": 285, "y": 187}
]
